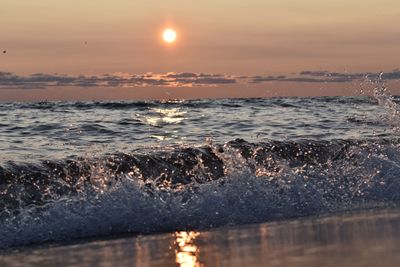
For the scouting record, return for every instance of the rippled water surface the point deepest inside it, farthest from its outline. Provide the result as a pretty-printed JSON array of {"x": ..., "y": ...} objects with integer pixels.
[{"x": 51, "y": 130}]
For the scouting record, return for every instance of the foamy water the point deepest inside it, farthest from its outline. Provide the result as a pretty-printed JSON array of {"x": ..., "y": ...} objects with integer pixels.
[{"x": 86, "y": 169}]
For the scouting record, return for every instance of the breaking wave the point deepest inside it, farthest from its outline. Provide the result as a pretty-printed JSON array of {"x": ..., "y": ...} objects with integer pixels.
[{"x": 193, "y": 187}]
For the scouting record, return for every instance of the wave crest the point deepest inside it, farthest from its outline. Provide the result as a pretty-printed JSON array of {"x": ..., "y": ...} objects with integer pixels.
[{"x": 193, "y": 187}]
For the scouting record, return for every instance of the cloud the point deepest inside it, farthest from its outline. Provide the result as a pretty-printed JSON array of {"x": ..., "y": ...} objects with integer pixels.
[
  {"x": 9, "y": 80},
  {"x": 327, "y": 77},
  {"x": 181, "y": 75}
]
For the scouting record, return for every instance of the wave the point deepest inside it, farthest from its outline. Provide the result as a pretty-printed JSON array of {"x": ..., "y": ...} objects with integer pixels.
[
  {"x": 292, "y": 102},
  {"x": 192, "y": 187}
]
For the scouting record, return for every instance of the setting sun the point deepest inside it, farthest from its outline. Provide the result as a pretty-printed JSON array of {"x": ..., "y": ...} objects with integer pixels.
[{"x": 169, "y": 35}]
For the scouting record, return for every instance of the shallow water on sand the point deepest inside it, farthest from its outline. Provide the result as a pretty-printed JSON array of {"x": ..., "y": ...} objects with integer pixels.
[{"x": 362, "y": 238}]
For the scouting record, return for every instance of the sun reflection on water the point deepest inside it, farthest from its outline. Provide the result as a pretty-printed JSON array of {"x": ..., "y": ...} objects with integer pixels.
[
  {"x": 161, "y": 116},
  {"x": 186, "y": 252}
]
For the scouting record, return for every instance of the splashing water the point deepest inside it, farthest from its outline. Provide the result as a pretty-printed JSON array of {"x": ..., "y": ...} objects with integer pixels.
[
  {"x": 387, "y": 101},
  {"x": 263, "y": 159}
]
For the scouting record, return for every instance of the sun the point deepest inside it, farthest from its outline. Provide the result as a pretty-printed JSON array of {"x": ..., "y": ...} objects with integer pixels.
[{"x": 169, "y": 35}]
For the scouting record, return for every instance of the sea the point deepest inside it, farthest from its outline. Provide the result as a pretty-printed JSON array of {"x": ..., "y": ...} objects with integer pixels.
[{"x": 210, "y": 182}]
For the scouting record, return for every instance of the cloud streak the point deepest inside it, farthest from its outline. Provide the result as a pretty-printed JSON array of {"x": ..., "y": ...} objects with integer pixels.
[
  {"x": 327, "y": 77},
  {"x": 10, "y": 80}
]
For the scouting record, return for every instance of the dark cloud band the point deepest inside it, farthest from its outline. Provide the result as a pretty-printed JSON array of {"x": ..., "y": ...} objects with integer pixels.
[
  {"x": 10, "y": 80},
  {"x": 40, "y": 80},
  {"x": 328, "y": 77}
]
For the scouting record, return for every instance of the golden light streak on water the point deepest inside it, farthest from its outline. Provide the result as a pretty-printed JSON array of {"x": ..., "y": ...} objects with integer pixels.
[{"x": 186, "y": 252}]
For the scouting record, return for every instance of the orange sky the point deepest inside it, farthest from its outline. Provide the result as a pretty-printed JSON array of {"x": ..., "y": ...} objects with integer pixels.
[{"x": 235, "y": 37}]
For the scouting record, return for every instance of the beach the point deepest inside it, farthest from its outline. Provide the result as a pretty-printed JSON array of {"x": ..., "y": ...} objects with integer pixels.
[
  {"x": 194, "y": 134},
  {"x": 362, "y": 238}
]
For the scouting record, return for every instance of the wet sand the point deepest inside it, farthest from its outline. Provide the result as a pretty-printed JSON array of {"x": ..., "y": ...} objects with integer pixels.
[{"x": 362, "y": 238}]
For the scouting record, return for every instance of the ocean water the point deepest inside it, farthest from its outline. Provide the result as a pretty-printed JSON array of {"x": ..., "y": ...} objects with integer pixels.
[
  {"x": 365, "y": 238},
  {"x": 82, "y": 170}
]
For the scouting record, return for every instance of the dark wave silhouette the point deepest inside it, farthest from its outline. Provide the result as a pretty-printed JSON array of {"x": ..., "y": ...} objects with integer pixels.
[{"x": 193, "y": 187}]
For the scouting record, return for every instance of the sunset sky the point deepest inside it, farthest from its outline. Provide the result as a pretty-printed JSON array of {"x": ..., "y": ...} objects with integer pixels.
[{"x": 99, "y": 49}]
